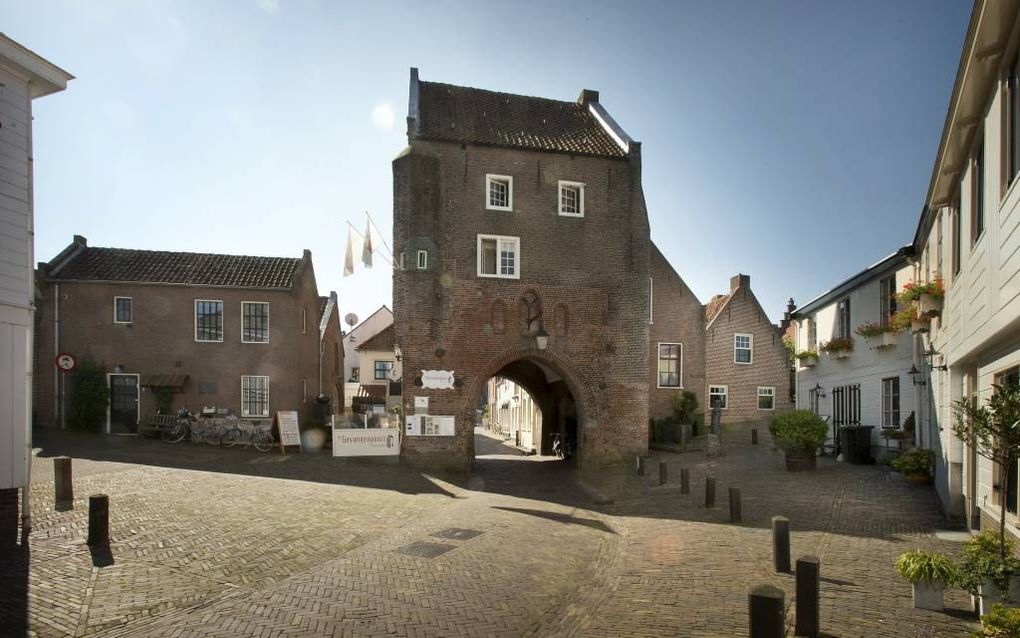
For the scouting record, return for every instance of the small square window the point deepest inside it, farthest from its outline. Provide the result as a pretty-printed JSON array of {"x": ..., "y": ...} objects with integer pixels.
[
  {"x": 742, "y": 348},
  {"x": 423, "y": 259},
  {"x": 499, "y": 192},
  {"x": 766, "y": 398},
  {"x": 571, "y": 199},
  {"x": 499, "y": 257},
  {"x": 122, "y": 310}
]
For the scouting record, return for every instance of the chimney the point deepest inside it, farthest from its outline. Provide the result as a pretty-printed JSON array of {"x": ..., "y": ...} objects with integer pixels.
[
  {"x": 80, "y": 241},
  {"x": 413, "y": 104},
  {"x": 739, "y": 281},
  {"x": 588, "y": 97}
]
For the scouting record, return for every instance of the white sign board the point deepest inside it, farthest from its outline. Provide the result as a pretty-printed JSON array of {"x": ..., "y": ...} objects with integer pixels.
[
  {"x": 366, "y": 442},
  {"x": 425, "y": 425},
  {"x": 437, "y": 379},
  {"x": 421, "y": 405},
  {"x": 287, "y": 427}
]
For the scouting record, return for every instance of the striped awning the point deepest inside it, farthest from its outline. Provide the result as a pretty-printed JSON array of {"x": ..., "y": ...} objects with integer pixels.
[{"x": 173, "y": 381}]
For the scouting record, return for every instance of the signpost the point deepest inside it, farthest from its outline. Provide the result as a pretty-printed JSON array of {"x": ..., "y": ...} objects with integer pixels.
[
  {"x": 65, "y": 362},
  {"x": 287, "y": 429},
  {"x": 366, "y": 441}
]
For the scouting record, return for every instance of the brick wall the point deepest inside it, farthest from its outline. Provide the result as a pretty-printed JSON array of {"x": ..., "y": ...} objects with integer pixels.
[
  {"x": 590, "y": 274},
  {"x": 743, "y": 314},
  {"x": 161, "y": 340}
]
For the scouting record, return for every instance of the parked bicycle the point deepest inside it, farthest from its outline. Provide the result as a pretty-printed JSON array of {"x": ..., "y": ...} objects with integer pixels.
[
  {"x": 260, "y": 437},
  {"x": 180, "y": 428}
]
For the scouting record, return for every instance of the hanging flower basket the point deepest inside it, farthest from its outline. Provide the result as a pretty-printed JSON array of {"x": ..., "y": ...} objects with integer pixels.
[{"x": 838, "y": 348}]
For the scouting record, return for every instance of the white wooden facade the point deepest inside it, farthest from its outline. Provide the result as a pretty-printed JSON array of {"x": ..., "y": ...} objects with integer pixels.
[
  {"x": 24, "y": 76},
  {"x": 353, "y": 359}
]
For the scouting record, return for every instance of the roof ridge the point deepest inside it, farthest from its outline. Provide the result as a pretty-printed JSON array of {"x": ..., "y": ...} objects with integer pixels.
[
  {"x": 187, "y": 252},
  {"x": 506, "y": 93}
]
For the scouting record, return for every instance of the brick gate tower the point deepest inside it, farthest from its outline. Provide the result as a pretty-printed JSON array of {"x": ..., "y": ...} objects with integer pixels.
[{"x": 521, "y": 227}]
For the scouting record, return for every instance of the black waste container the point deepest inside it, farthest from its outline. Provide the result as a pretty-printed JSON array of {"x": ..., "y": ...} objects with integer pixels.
[{"x": 856, "y": 443}]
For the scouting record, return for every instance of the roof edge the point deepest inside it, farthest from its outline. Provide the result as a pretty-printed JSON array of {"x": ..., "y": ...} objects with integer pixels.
[
  {"x": 46, "y": 77},
  {"x": 902, "y": 255}
]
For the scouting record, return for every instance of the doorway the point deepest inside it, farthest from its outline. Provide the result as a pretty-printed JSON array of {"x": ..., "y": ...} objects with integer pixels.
[{"x": 123, "y": 404}]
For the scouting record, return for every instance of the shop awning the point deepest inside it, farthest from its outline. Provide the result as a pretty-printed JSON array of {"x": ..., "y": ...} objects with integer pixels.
[{"x": 173, "y": 382}]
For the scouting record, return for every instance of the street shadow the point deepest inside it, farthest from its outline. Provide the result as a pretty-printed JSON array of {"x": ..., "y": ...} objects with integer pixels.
[
  {"x": 561, "y": 518},
  {"x": 14, "y": 563}
]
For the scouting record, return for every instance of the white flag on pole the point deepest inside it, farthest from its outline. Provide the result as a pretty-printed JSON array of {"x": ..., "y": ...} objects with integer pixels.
[
  {"x": 366, "y": 252},
  {"x": 349, "y": 255}
]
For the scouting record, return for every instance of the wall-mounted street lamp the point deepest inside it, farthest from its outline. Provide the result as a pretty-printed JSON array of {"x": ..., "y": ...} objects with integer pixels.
[
  {"x": 398, "y": 353},
  {"x": 819, "y": 390},
  {"x": 541, "y": 338},
  {"x": 915, "y": 376},
  {"x": 930, "y": 354}
]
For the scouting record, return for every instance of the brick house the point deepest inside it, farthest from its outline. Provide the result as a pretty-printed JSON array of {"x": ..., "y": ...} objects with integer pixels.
[
  {"x": 524, "y": 240},
  {"x": 249, "y": 334}
]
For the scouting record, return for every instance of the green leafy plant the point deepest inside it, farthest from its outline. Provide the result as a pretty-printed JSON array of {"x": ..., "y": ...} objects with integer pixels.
[
  {"x": 908, "y": 423},
  {"x": 993, "y": 431},
  {"x": 838, "y": 344},
  {"x": 919, "y": 566},
  {"x": 912, "y": 291},
  {"x": 902, "y": 318},
  {"x": 685, "y": 404},
  {"x": 872, "y": 329},
  {"x": 791, "y": 350},
  {"x": 89, "y": 397},
  {"x": 806, "y": 354},
  {"x": 983, "y": 561},
  {"x": 1001, "y": 622},
  {"x": 915, "y": 461},
  {"x": 798, "y": 431}
]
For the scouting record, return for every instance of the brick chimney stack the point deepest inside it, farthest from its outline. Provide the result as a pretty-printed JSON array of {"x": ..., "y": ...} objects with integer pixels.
[{"x": 741, "y": 281}]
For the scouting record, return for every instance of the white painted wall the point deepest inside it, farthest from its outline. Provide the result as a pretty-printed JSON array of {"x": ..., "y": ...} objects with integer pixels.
[{"x": 361, "y": 333}]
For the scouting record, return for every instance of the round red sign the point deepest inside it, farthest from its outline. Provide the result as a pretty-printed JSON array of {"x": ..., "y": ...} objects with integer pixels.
[{"x": 65, "y": 361}]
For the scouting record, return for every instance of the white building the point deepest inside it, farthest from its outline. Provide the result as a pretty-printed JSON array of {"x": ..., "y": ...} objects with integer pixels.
[
  {"x": 24, "y": 76},
  {"x": 969, "y": 235},
  {"x": 869, "y": 385},
  {"x": 356, "y": 363},
  {"x": 514, "y": 414}
]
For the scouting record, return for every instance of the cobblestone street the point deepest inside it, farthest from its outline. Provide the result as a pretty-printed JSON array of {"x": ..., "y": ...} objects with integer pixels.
[{"x": 213, "y": 542}]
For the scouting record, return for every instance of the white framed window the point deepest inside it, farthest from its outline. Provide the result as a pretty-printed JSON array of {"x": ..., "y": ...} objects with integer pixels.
[
  {"x": 891, "y": 402},
  {"x": 717, "y": 395},
  {"x": 499, "y": 192},
  {"x": 571, "y": 199},
  {"x": 123, "y": 310},
  {"x": 766, "y": 398},
  {"x": 208, "y": 320},
  {"x": 254, "y": 396},
  {"x": 499, "y": 256},
  {"x": 254, "y": 322},
  {"x": 671, "y": 365},
  {"x": 743, "y": 344},
  {"x": 423, "y": 259}
]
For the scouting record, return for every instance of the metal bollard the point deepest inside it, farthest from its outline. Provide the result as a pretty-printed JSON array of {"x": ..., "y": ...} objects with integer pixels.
[
  {"x": 767, "y": 612},
  {"x": 809, "y": 577},
  {"x": 685, "y": 481},
  {"x": 640, "y": 466},
  {"x": 754, "y": 436},
  {"x": 735, "y": 505},
  {"x": 63, "y": 486},
  {"x": 663, "y": 473},
  {"x": 99, "y": 519},
  {"x": 709, "y": 492},
  {"x": 781, "y": 544}
]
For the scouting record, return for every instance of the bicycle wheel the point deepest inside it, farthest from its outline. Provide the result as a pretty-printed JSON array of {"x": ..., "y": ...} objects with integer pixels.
[
  {"x": 232, "y": 436},
  {"x": 175, "y": 433},
  {"x": 213, "y": 435},
  {"x": 262, "y": 440}
]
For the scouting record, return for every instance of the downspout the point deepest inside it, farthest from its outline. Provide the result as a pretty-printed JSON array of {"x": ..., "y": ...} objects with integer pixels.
[
  {"x": 26, "y": 505},
  {"x": 57, "y": 411}
]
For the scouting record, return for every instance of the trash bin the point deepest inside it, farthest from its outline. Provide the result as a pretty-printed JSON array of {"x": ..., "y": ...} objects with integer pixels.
[{"x": 856, "y": 443}]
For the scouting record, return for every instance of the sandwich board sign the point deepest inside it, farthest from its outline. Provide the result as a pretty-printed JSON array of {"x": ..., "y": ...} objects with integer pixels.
[{"x": 288, "y": 430}]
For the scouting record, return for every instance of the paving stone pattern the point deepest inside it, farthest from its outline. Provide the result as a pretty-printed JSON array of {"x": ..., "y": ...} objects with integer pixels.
[{"x": 210, "y": 542}]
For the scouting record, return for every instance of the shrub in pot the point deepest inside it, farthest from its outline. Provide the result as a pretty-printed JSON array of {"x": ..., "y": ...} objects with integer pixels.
[
  {"x": 929, "y": 573},
  {"x": 989, "y": 575},
  {"x": 799, "y": 434},
  {"x": 916, "y": 464},
  {"x": 1000, "y": 622}
]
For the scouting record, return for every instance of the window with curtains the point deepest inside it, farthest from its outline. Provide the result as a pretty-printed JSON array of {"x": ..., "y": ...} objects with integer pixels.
[
  {"x": 891, "y": 402},
  {"x": 254, "y": 396},
  {"x": 843, "y": 314},
  {"x": 254, "y": 322},
  {"x": 122, "y": 310},
  {"x": 717, "y": 396},
  {"x": 670, "y": 365},
  {"x": 208, "y": 320}
]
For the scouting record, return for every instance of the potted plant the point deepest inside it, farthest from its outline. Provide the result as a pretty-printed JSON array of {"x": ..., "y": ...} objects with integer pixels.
[
  {"x": 838, "y": 347},
  {"x": 893, "y": 434},
  {"x": 799, "y": 434},
  {"x": 989, "y": 576},
  {"x": 1000, "y": 622},
  {"x": 993, "y": 431},
  {"x": 929, "y": 573},
  {"x": 928, "y": 297},
  {"x": 915, "y": 464},
  {"x": 808, "y": 358}
]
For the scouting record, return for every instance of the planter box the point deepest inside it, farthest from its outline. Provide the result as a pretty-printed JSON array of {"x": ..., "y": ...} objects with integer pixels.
[
  {"x": 889, "y": 339},
  {"x": 808, "y": 362},
  {"x": 929, "y": 306},
  {"x": 928, "y": 596},
  {"x": 801, "y": 461},
  {"x": 841, "y": 354},
  {"x": 989, "y": 594},
  {"x": 918, "y": 479},
  {"x": 919, "y": 325}
]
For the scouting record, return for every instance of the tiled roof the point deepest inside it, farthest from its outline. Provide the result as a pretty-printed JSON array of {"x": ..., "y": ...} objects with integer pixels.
[
  {"x": 382, "y": 340},
  {"x": 152, "y": 266},
  {"x": 467, "y": 115},
  {"x": 714, "y": 305}
]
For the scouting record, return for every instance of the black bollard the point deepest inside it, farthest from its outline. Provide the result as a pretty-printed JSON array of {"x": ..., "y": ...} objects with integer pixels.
[
  {"x": 663, "y": 473},
  {"x": 754, "y": 436},
  {"x": 781, "y": 544},
  {"x": 735, "y": 505},
  {"x": 709, "y": 492},
  {"x": 685, "y": 481},
  {"x": 63, "y": 486},
  {"x": 99, "y": 519},
  {"x": 809, "y": 577},
  {"x": 767, "y": 613},
  {"x": 640, "y": 466}
]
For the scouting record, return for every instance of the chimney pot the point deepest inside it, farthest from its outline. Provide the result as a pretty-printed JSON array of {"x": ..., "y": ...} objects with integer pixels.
[
  {"x": 740, "y": 281},
  {"x": 588, "y": 97}
]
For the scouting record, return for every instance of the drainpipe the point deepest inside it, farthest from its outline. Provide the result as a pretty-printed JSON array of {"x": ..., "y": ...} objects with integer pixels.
[
  {"x": 57, "y": 408},
  {"x": 26, "y": 506}
]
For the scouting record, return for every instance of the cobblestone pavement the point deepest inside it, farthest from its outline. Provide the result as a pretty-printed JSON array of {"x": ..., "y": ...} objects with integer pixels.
[{"x": 211, "y": 542}]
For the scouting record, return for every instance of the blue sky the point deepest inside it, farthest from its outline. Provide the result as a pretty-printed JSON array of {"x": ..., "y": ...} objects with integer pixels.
[{"x": 792, "y": 141}]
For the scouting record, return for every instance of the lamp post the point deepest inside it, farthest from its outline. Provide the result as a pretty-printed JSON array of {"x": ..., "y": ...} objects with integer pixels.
[{"x": 541, "y": 338}]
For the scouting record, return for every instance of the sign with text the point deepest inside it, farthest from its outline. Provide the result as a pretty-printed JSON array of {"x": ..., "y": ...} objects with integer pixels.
[
  {"x": 287, "y": 429},
  {"x": 421, "y": 405},
  {"x": 437, "y": 379},
  {"x": 425, "y": 425},
  {"x": 366, "y": 441}
]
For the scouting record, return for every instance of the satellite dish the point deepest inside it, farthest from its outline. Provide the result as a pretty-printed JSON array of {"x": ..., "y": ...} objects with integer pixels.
[{"x": 351, "y": 319}]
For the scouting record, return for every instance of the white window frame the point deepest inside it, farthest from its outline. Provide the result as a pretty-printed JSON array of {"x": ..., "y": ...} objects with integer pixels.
[
  {"x": 580, "y": 198},
  {"x": 423, "y": 259},
  {"x": 264, "y": 303},
  {"x": 517, "y": 256},
  {"x": 244, "y": 411},
  {"x": 489, "y": 178},
  {"x": 129, "y": 321},
  {"x": 771, "y": 393},
  {"x": 680, "y": 365},
  {"x": 749, "y": 348},
  {"x": 725, "y": 395},
  {"x": 223, "y": 322}
]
